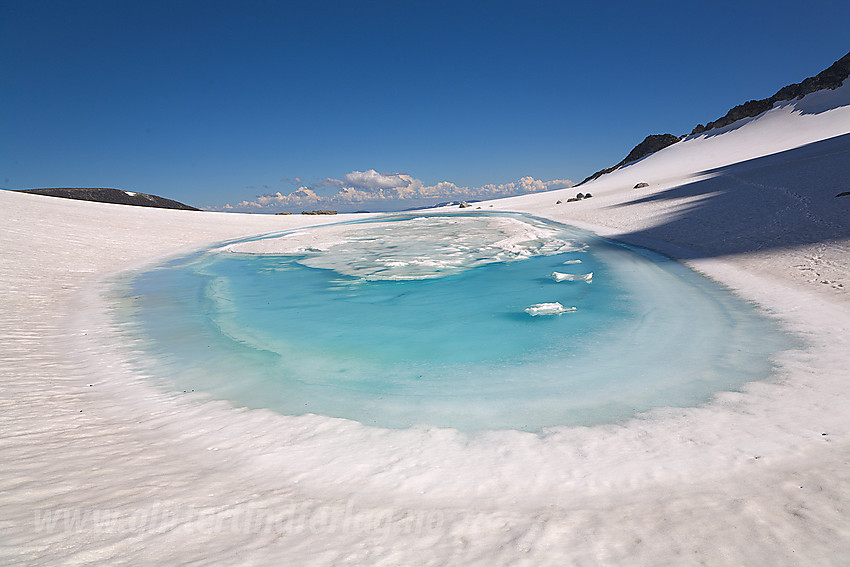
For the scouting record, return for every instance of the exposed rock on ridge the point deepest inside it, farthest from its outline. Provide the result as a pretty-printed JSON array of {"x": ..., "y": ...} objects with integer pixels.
[
  {"x": 830, "y": 78},
  {"x": 116, "y": 196},
  {"x": 650, "y": 145}
]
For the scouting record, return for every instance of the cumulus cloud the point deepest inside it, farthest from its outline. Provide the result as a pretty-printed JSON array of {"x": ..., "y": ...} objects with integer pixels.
[
  {"x": 372, "y": 180},
  {"x": 302, "y": 196},
  {"x": 370, "y": 186}
]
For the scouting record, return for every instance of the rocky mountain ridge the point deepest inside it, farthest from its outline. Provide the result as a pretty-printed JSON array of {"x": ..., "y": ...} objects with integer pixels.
[
  {"x": 650, "y": 145},
  {"x": 830, "y": 78}
]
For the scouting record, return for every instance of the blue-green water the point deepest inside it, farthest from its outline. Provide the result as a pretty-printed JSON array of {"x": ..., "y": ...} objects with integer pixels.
[{"x": 453, "y": 347}]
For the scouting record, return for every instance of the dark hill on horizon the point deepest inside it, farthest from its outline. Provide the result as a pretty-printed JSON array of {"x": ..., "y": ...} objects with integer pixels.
[
  {"x": 109, "y": 195},
  {"x": 830, "y": 78}
]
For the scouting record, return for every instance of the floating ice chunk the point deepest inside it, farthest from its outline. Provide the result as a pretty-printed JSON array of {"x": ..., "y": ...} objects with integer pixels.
[
  {"x": 559, "y": 277},
  {"x": 548, "y": 309},
  {"x": 573, "y": 262}
]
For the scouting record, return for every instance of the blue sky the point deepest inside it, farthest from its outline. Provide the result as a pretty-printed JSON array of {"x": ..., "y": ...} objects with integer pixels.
[{"x": 362, "y": 103}]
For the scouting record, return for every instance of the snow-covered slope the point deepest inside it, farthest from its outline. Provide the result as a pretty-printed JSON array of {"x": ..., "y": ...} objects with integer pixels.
[
  {"x": 760, "y": 186},
  {"x": 100, "y": 468},
  {"x": 790, "y": 124}
]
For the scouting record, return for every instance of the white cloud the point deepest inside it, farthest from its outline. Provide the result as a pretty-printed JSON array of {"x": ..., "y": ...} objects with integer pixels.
[
  {"x": 301, "y": 196},
  {"x": 370, "y": 186},
  {"x": 526, "y": 185},
  {"x": 372, "y": 180}
]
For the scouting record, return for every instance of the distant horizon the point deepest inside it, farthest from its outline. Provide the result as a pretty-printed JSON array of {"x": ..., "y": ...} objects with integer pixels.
[
  {"x": 374, "y": 206},
  {"x": 380, "y": 106}
]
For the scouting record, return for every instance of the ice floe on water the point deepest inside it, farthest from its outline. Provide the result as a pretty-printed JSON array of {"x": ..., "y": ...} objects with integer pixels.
[
  {"x": 423, "y": 247},
  {"x": 548, "y": 309},
  {"x": 562, "y": 277}
]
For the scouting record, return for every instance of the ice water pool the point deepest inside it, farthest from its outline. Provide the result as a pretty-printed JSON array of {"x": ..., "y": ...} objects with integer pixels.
[{"x": 425, "y": 320}]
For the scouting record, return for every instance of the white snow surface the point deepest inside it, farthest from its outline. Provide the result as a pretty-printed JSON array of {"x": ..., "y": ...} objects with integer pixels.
[{"x": 98, "y": 467}]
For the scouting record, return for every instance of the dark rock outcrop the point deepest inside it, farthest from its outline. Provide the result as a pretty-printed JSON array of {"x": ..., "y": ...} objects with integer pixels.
[
  {"x": 830, "y": 78},
  {"x": 650, "y": 145},
  {"x": 115, "y": 196},
  {"x": 641, "y": 185},
  {"x": 318, "y": 212}
]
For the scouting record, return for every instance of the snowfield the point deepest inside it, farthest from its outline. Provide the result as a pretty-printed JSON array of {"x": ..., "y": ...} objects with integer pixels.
[{"x": 98, "y": 467}]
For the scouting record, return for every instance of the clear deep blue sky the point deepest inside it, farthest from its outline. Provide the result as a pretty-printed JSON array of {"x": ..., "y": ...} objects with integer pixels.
[{"x": 212, "y": 102}]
